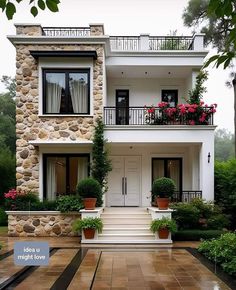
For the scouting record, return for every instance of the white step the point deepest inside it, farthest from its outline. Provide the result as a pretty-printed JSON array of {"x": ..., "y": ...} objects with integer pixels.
[
  {"x": 126, "y": 237},
  {"x": 127, "y": 221},
  {"x": 125, "y": 209},
  {"x": 127, "y": 226},
  {"x": 125, "y": 215},
  {"x": 123, "y": 230}
]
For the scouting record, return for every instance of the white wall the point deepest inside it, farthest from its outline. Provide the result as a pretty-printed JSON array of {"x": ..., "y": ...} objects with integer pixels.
[
  {"x": 144, "y": 91},
  {"x": 147, "y": 152}
]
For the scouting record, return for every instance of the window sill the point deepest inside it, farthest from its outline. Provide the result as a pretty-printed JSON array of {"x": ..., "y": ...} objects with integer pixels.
[{"x": 62, "y": 115}]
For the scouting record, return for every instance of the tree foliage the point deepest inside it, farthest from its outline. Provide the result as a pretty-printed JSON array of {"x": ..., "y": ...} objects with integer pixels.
[
  {"x": 217, "y": 20},
  {"x": 224, "y": 145},
  {"x": 101, "y": 165},
  {"x": 9, "y": 7}
]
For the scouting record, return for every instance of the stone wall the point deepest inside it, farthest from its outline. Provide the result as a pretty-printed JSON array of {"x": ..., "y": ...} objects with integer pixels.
[
  {"x": 31, "y": 126},
  {"x": 41, "y": 224}
]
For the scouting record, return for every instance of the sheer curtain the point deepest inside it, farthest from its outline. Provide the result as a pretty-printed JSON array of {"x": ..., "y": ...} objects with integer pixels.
[
  {"x": 51, "y": 178},
  {"x": 53, "y": 93},
  {"x": 82, "y": 168},
  {"x": 79, "y": 96}
]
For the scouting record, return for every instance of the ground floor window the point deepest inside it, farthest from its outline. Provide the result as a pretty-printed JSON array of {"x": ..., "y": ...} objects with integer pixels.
[
  {"x": 168, "y": 167},
  {"x": 62, "y": 172}
]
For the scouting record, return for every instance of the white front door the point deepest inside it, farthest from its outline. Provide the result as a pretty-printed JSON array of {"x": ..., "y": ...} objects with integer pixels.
[{"x": 124, "y": 181}]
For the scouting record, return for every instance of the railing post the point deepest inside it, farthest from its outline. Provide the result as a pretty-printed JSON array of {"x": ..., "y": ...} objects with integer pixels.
[
  {"x": 198, "y": 41},
  {"x": 96, "y": 29},
  {"x": 144, "y": 42}
]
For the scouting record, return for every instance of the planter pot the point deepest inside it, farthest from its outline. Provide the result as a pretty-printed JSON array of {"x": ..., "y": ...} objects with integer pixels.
[
  {"x": 89, "y": 203},
  {"x": 163, "y": 233},
  {"x": 89, "y": 233},
  {"x": 163, "y": 202}
]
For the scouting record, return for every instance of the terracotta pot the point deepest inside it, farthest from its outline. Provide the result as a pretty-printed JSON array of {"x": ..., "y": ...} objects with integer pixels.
[
  {"x": 89, "y": 233},
  {"x": 163, "y": 233},
  {"x": 89, "y": 203},
  {"x": 163, "y": 202}
]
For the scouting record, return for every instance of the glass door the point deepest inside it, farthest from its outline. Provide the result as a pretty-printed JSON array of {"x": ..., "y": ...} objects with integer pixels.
[{"x": 122, "y": 107}]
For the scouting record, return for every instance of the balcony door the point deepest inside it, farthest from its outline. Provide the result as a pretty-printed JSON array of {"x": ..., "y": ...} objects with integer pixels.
[
  {"x": 170, "y": 96},
  {"x": 122, "y": 107},
  {"x": 124, "y": 181}
]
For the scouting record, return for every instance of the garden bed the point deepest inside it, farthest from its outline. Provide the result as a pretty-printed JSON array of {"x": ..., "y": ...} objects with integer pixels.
[
  {"x": 196, "y": 235},
  {"x": 40, "y": 223}
]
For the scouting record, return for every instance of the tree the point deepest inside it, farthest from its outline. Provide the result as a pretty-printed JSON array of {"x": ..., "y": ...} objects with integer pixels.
[
  {"x": 9, "y": 7},
  {"x": 224, "y": 145},
  {"x": 101, "y": 165},
  {"x": 217, "y": 20}
]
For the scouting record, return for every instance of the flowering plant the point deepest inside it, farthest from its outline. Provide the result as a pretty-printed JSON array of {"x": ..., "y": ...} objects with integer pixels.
[
  {"x": 19, "y": 199},
  {"x": 185, "y": 114}
]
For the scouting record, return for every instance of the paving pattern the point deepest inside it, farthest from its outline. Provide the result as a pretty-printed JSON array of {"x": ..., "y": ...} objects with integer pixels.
[{"x": 126, "y": 267}]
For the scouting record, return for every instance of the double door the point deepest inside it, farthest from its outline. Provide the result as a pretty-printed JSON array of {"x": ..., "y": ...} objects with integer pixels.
[{"x": 124, "y": 181}]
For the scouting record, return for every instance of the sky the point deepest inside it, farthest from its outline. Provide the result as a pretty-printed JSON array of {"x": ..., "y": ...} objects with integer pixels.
[{"x": 120, "y": 17}]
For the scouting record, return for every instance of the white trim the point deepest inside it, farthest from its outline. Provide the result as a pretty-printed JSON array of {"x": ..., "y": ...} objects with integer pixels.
[
  {"x": 77, "y": 142},
  {"x": 159, "y": 127}
]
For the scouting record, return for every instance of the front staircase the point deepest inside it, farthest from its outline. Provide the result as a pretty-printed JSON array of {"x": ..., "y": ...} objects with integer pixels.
[{"x": 126, "y": 225}]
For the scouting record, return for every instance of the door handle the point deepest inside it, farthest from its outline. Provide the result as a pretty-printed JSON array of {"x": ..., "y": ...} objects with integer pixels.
[
  {"x": 123, "y": 191},
  {"x": 125, "y": 185}
]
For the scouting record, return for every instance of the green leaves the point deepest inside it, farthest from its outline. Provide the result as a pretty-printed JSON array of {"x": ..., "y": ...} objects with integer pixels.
[
  {"x": 10, "y": 8},
  {"x": 225, "y": 59}
]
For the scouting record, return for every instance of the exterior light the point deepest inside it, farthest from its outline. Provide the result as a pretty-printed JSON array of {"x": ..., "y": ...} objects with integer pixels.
[{"x": 209, "y": 157}]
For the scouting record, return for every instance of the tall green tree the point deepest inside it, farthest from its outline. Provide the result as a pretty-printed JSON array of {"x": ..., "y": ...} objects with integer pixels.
[
  {"x": 217, "y": 19},
  {"x": 9, "y": 7},
  {"x": 224, "y": 145}
]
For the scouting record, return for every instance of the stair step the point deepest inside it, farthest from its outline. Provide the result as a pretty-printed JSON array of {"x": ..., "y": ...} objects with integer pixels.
[
  {"x": 125, "y": 215},
  {"x": 124, "y": 220},
  {"x": 126, "y": 237},
  {"x": 130, "y": 231},
  {"x": 127, "y": 226}
]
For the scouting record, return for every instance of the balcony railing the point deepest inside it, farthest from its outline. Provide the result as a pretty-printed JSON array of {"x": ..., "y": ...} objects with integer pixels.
[
  {"x": 66, "y": 31},
  {"x": 186, "y": 195},
  {"x": 170, "y": 43},
  {"x": 139, "y": 116},
  {"x": 124, "y": 43}
]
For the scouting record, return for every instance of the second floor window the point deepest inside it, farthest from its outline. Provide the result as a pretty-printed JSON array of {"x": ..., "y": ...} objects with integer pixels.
[{"x": 66, "y": 91}]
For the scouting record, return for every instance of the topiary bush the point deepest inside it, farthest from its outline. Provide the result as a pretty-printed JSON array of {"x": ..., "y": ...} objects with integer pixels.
[
  {"x": 90, "y": 187},
  {"x": 163, "y": 187}
]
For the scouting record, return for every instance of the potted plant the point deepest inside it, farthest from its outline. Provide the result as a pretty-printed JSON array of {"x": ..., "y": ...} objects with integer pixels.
[
  {"x": 162, "y": 189},
  {"x": 89, "y": 225},
  {"x": 90, "y": 190},
  {"x": 163, "y": 227}
]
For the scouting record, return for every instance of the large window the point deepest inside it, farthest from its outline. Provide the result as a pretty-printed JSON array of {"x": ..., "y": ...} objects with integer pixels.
[
  {"x": 66, "y": 91},
  {"x": 170, "y": 96},
  {"x": 62, "y": 172}
]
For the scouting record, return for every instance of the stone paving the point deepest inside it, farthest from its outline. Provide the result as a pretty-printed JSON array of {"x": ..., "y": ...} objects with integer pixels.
[{"x": 117, "y": 267}]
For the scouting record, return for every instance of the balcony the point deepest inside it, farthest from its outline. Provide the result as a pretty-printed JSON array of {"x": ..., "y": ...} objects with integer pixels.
[
  {"x": 66, "y": 31},
  {"x": 143, "y": 116}
]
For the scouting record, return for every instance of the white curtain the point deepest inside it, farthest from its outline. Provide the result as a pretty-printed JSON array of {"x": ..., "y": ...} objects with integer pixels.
[
  {"x": 51, "y": 179},
  {"x": 158, "y": 168},
  {"x": 79, "y": 96},
  {"x": 82, "y": 168},
  {"x": 53, "y": 96}
]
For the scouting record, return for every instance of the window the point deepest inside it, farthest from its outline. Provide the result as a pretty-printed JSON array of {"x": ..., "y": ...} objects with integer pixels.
[
  {"x": 170, "y": 96},
  {"x": 66, "y": 91},
  {"x": 62, "y": 172}
]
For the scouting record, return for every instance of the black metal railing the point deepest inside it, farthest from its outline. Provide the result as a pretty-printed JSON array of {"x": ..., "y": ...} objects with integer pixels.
[
  {"x": 140, "y": 116},
  {"x": 66, "y": 31},
  {"x": 170, "y": 43},
  {"x": 186, "y": 195},
  {"x": 124, "y": 43}
]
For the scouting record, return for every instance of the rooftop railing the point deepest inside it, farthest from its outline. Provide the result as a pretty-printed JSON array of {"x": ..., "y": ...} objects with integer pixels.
[{"x": 66, "y": 31}]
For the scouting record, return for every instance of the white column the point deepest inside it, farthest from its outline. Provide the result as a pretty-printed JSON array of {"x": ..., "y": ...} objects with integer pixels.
[
  {"x": 207, "y": 169},
  {"x": 144, "y": 42},
  {"x": 198, "y": 41}
]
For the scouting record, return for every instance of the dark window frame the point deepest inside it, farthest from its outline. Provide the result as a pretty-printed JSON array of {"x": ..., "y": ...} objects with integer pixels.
[
  {"x": 175, "y": 91},
  {"x": 67, "y": 156},
  {"x": 122, "y": 108},
  {"x": 166, "y": 159},
  {"x": 66, "y": 71}
]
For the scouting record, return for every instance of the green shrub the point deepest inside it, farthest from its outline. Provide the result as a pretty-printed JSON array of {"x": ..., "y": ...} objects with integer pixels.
[
  {"x": 20, "y": 200},
  {"x": 90, "y": 187},
  {"x": 163, "y": 187},
  {"x": 88, "y": 223},
  {"x": 163, "y": 223},
  {"x": 66, "y": 203},
  {"x": 3, "y": 218},
  {"x": 196, "y": 235},
  {"x": 186, "y": 216},
  {"x": 217, "y": 222},
  {"x": 44, "y": 205},
  {"x": 222, "y": 251}
]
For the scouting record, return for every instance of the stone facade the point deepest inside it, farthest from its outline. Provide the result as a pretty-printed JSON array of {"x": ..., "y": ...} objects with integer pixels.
[
  {"x": 29, "y": 125},
  {"x": 41, "y": 224}
]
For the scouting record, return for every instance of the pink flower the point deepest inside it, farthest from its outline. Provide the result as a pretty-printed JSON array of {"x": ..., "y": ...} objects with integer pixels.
[{"x": 191, "y": 122}]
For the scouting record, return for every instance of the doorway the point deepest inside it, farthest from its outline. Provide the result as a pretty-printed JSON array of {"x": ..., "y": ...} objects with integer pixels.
[{"x": 122, "y": 107}]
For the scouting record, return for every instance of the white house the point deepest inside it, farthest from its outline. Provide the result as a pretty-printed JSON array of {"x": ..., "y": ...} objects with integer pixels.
[{"x": 67, "y": 77}]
